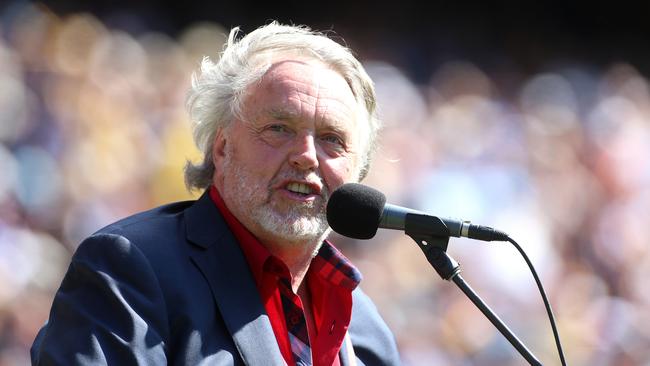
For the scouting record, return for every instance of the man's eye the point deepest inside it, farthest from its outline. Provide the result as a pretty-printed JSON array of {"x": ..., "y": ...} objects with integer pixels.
[
  {"x": 278, "y": 128},
  {"x": 332, "y": 139},
  {"x": 276, "y": 134}
]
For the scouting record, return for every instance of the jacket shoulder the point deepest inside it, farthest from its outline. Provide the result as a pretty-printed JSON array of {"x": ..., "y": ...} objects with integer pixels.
[{"x": 161, "y": 214}]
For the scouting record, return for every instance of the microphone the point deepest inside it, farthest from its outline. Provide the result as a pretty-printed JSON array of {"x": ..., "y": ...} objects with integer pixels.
[{"x": 357, "y": 211}]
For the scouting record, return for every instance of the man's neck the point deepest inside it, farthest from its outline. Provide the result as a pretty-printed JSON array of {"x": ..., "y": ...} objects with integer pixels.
[{"x": 297, "y": 257}]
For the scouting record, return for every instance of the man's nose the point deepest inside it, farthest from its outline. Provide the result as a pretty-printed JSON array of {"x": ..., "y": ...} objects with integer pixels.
[{"x": 303, "y": 154}]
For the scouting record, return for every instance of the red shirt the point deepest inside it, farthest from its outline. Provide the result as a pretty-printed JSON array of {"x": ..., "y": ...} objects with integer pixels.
[{"x": 331, "y": 278}]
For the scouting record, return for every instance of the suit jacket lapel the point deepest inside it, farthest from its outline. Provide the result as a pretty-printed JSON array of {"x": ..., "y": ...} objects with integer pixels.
[{"x": 222, "y": 262}]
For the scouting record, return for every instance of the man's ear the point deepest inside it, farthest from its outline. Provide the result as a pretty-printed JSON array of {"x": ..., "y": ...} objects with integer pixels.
[{"x": 219, "y": 148}]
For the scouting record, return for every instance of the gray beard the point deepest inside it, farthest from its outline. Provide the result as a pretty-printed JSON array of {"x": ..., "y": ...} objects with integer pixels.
[{"x": 300, "y": 224}]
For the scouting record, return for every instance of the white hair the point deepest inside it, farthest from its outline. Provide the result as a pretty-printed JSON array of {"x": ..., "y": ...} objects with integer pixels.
[{"x": 215, "y": 98}]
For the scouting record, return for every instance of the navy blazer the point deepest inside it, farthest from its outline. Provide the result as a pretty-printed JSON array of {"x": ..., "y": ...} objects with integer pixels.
[{"x": 172, "y": 286}]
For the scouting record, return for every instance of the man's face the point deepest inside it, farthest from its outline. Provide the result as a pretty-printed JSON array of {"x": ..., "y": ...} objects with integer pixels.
[{"x": 298, "y": 140}]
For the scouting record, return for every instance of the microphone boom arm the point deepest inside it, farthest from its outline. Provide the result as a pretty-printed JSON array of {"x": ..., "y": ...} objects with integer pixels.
[{"x": 432, "y": 236}]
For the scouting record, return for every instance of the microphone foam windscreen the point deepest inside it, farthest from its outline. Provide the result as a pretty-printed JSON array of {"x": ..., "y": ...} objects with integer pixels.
[{"x": 354, "y": 210}]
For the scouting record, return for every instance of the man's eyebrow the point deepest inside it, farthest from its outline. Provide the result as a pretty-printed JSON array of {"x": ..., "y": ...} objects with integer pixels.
[
  {"x": 285, "y": 114},
  {"x": 281, "y": 113}
]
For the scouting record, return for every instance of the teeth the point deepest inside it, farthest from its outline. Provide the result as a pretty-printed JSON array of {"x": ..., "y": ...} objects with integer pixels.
[{"x": 299, "y": 188}]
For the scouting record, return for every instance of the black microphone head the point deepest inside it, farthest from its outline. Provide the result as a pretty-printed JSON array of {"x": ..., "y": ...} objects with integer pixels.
[{"x": 354, "y": 210}]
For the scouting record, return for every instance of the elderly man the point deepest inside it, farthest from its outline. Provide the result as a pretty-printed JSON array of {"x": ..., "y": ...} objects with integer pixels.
[{"x": 244, "y": 275}]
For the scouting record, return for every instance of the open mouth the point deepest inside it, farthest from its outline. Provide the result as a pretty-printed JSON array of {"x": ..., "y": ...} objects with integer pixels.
[{"x": 299, "y": 188}]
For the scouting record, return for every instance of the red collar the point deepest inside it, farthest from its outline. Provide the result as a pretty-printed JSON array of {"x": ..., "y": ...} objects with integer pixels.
[{"x": 256, "y": 254}]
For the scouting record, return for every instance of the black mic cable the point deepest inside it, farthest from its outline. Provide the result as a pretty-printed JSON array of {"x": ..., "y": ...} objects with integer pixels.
[{"x": 547, "y": 305}]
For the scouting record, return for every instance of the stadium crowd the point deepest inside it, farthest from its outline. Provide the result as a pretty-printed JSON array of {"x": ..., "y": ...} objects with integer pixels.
[{"x": 93, "y": 128}]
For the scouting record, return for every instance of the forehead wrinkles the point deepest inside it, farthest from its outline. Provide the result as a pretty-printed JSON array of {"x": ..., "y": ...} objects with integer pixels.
[{"x": 313, "y": 93}]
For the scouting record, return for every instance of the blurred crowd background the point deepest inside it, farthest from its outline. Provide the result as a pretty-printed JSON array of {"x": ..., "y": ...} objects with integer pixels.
[{"x": 93, "y": 128}]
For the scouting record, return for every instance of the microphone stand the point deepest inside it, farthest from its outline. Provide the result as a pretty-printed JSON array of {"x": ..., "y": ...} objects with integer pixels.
[{"x": 432, "y": 236}]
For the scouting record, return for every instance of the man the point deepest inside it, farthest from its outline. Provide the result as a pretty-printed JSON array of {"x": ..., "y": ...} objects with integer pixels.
[{"x": 243, "y": 275}]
